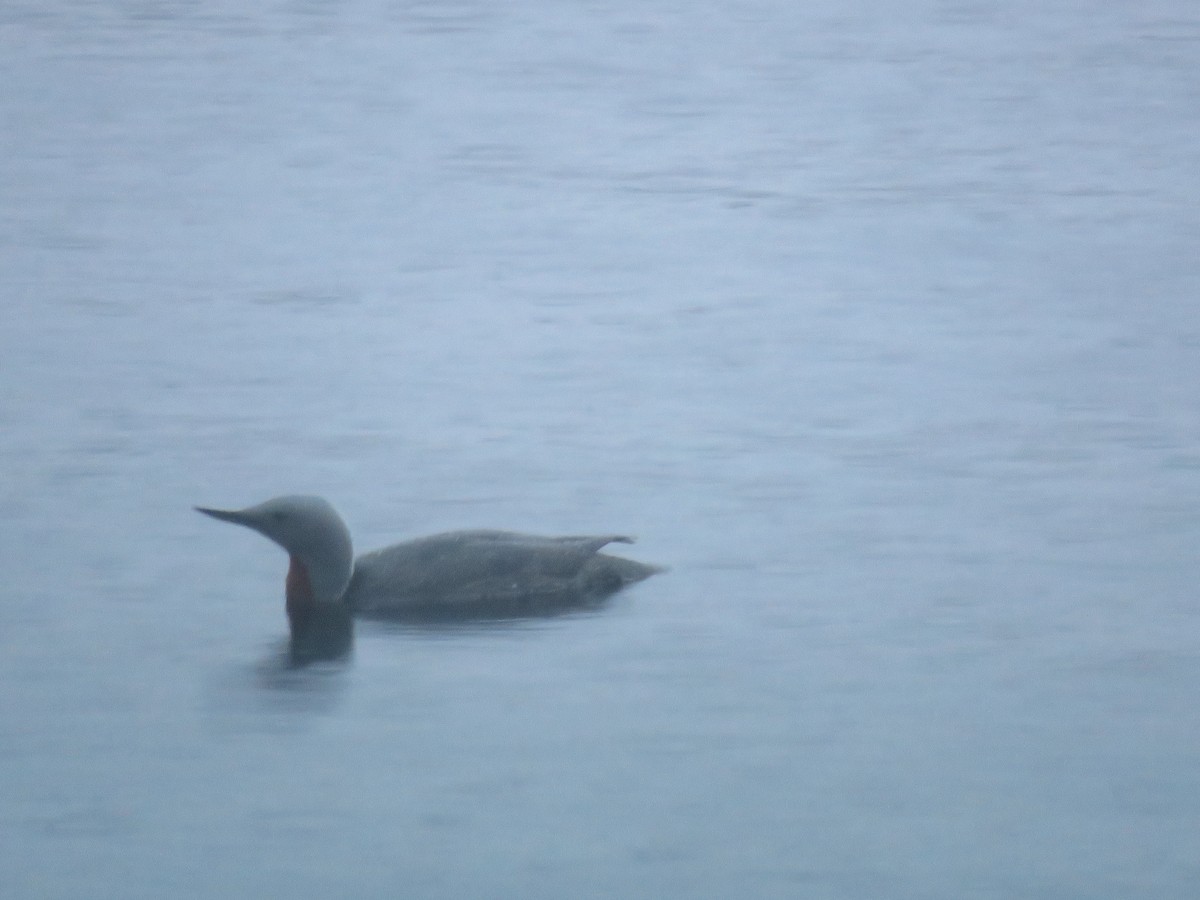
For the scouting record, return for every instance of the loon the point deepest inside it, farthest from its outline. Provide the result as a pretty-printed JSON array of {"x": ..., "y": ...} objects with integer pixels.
[{"x": 455, "y": 575}]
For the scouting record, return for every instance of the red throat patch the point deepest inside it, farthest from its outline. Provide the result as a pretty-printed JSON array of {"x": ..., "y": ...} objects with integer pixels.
[{"x": 300, "y": 599}]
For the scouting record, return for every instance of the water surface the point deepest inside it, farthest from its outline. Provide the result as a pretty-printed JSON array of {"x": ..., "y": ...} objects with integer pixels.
[{"x": 876, "y": 323}]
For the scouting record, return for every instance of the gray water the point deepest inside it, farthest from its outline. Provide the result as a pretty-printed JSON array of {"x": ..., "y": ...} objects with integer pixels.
[{"x": 877, "y": 322}]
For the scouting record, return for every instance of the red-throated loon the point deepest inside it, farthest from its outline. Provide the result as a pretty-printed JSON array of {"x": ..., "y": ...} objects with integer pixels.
[{"x": 451, "y": 575}]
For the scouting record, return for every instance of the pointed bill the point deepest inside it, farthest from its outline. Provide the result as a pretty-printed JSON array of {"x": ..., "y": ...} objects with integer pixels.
[{"x": 236, "y": 516}]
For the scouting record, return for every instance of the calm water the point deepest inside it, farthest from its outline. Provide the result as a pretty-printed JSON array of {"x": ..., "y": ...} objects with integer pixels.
[{"x": 877, "y": 323}]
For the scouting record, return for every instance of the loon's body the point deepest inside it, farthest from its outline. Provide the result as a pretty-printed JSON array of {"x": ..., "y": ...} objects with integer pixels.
[{"x": 502, "y": 569}]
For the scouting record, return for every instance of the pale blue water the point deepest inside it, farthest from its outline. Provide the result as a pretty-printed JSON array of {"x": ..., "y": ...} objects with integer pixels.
[{"x": 877, "y": 323}]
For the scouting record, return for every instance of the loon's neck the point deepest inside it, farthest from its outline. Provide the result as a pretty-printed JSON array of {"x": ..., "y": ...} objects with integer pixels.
[
  {"x": 320, "y": 631},
  {"x": 303, "y": 606}
]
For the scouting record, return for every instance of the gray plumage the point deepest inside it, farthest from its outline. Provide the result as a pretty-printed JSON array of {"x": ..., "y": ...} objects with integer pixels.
[{"x": 461, "y": 569}]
